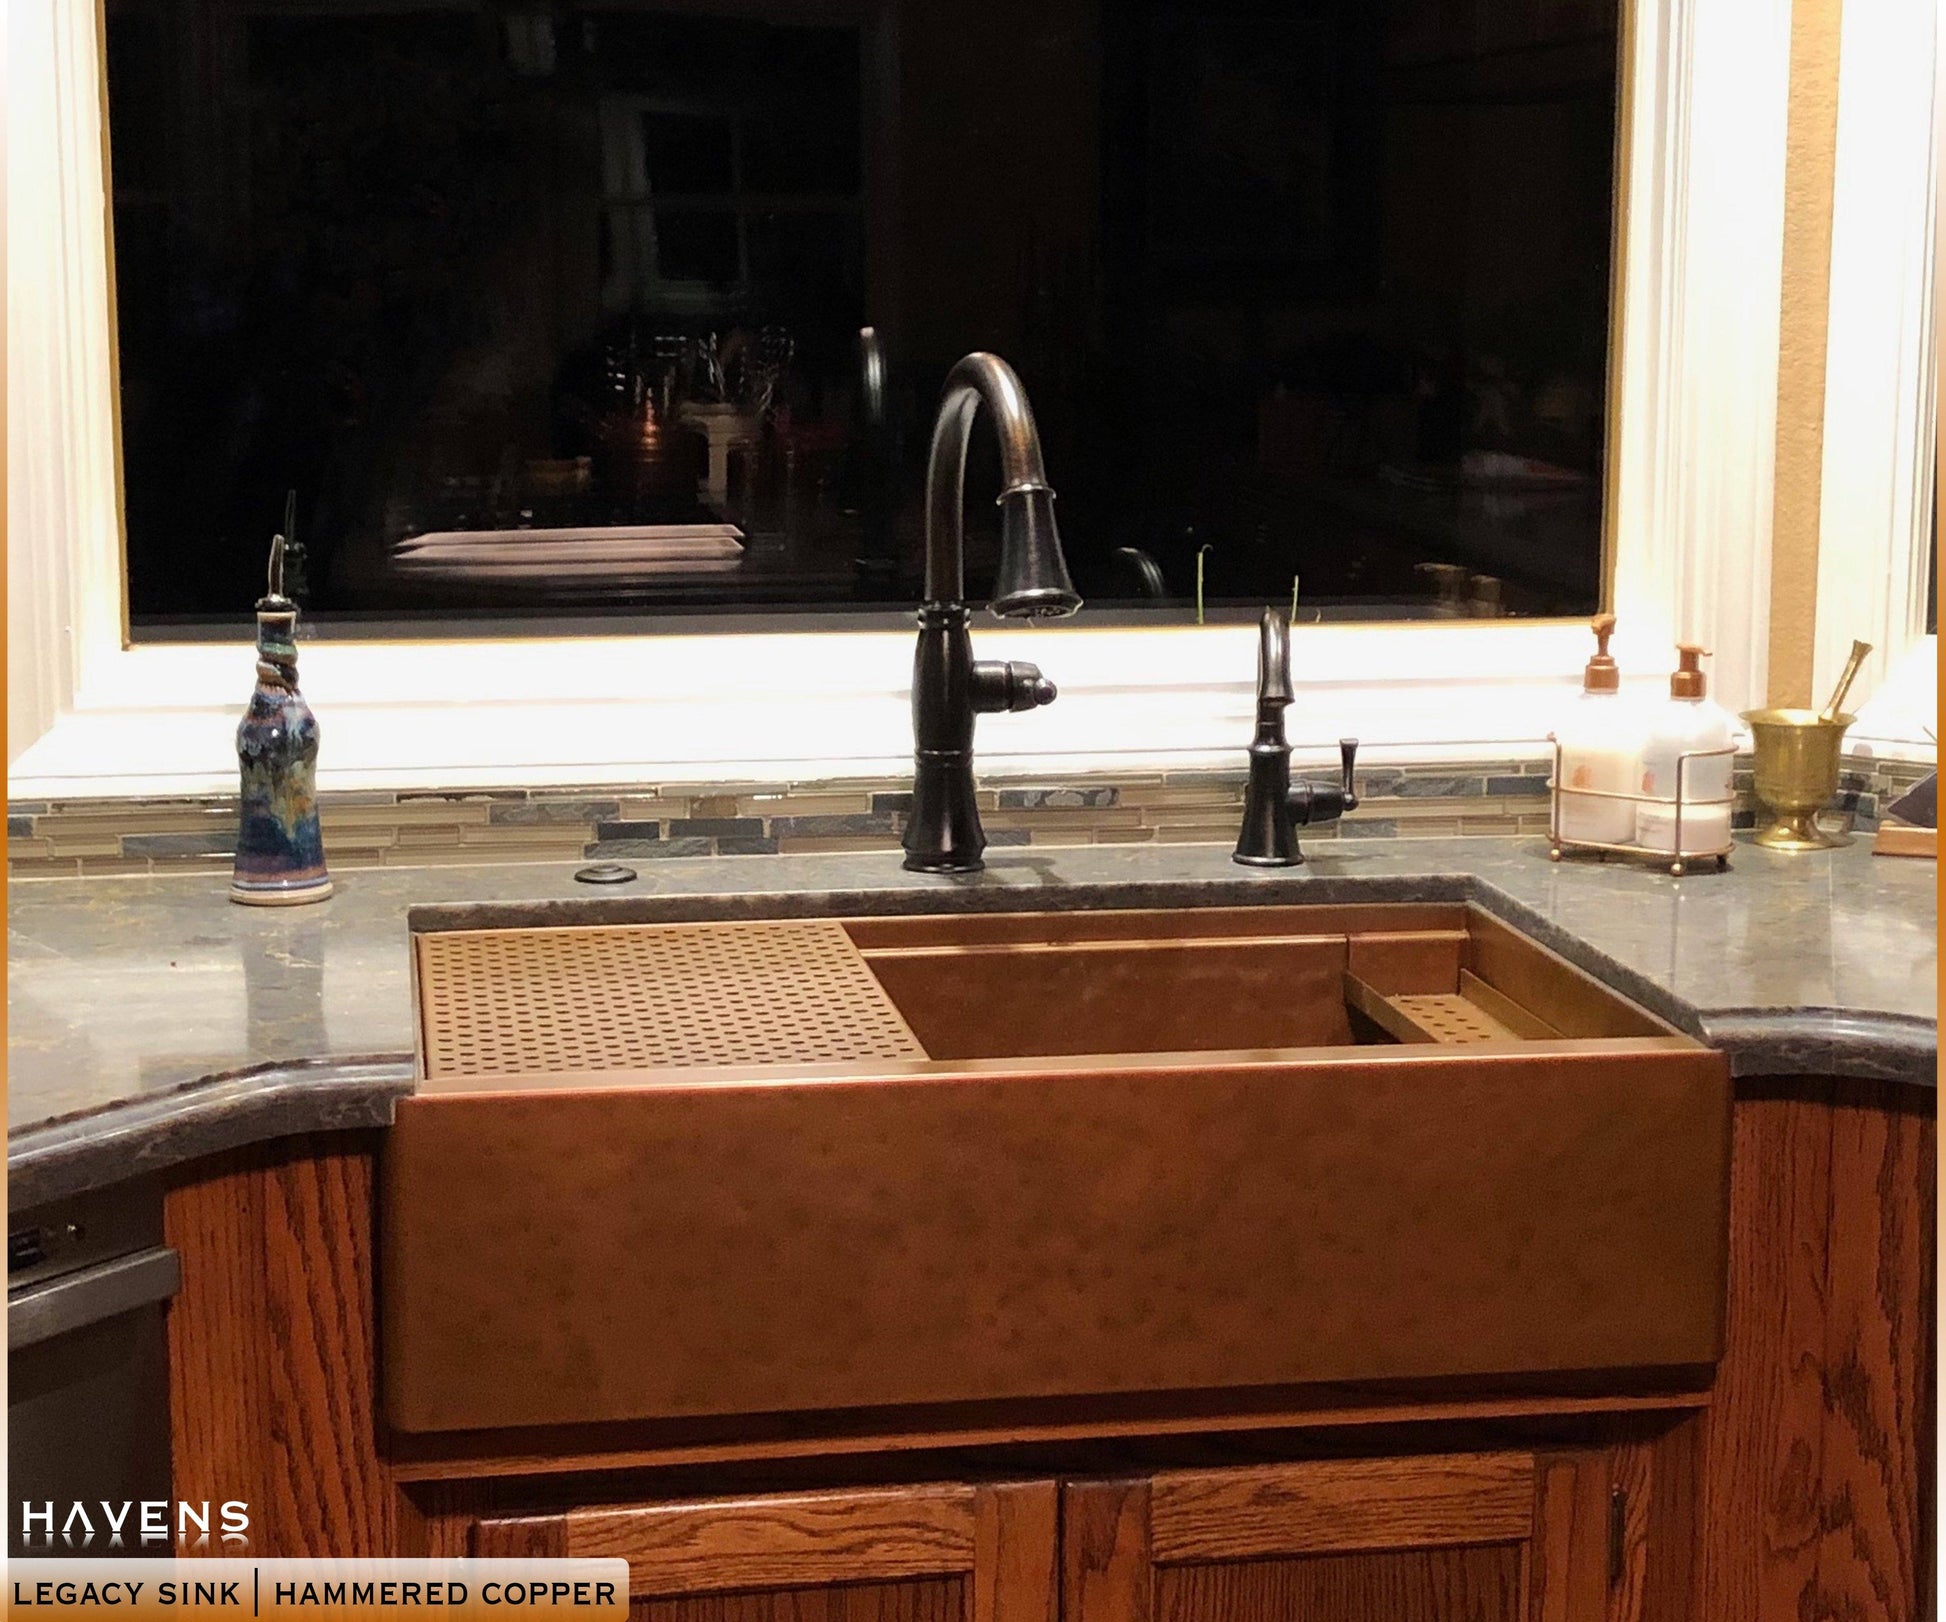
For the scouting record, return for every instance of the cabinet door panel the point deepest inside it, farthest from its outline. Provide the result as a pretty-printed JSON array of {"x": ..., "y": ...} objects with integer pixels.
[
  {"x": 784, "y": 1540},
  {"x": 1342, "y": 1504},
  {"x": 1487, "y": 1537},
  {"x": 1482, "y": 1581},
  {"x": 928, "y": 1600},
  {"x": 948, "y": 1552}
]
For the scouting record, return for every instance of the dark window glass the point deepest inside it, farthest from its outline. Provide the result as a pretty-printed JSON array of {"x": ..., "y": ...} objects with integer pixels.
[
  {"x": 685, "y": 153},
  {"x": 697, "y": 245},
  {"x": 550, "y": 312}
]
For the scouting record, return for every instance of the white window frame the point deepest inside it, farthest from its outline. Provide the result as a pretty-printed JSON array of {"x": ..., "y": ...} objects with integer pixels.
[
  {"x": 1701, "y": 210},
  {"x": 1881, "y": 377}
]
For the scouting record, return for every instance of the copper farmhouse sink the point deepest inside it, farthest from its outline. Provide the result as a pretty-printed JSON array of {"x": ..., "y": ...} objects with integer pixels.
[{"x": 668, "y": 1171}]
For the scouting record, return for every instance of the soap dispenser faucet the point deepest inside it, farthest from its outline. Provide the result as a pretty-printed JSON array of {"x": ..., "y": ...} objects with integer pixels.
[
  {"x": 1273, "y": 810},
  {"x": 949, "y": 686}
]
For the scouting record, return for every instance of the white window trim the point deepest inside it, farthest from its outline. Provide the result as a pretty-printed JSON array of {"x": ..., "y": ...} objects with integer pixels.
[
  {"x": 1880, "y": 441},
  {"x": 1697, "y": 368}
]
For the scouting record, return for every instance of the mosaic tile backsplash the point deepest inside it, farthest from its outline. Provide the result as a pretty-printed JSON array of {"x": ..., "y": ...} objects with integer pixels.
[{"x": 637, "y": 822}]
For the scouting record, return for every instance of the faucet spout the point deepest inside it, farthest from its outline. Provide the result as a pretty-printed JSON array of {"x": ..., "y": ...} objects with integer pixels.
[
  {"x": 950, "y": 687},
  {"x": 1033, "y": 579},
  {"x": 1273, "y": 664}
]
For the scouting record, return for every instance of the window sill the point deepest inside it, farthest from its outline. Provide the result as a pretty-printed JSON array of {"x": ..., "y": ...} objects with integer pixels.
[{"x": 803, "y": 708}]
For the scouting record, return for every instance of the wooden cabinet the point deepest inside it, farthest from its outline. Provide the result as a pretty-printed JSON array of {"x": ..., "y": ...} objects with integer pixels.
[
  {"x": 1515, "y": 1536},
  {"x": 1819, "y": 1472},
  {"x": 946, "y": 1552},
  {"x": 1479, "y": 1537}
]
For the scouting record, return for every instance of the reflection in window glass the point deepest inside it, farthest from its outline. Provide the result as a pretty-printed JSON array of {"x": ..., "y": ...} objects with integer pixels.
[{"x": 553, "y": 311}]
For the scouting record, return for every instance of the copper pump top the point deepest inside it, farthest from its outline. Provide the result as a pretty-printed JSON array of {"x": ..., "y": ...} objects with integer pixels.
[
  {"x": 1687, "y": 679},
  {"x": 1603, "y": 675}
]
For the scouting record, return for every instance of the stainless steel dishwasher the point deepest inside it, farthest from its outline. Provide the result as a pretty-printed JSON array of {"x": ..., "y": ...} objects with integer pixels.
[{"x": 87, "y": 1369}]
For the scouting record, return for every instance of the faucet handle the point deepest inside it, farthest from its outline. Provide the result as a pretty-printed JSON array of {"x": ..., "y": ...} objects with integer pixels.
[
  {"x": 1009, "y": 685},
  {"x": 1322, "y": 802}
]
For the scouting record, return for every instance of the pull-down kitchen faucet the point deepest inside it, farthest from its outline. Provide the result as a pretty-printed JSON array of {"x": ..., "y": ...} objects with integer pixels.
[{"x": 949, "y": 686}]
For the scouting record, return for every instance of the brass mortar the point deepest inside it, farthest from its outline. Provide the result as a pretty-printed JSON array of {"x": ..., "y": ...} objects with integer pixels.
[{"x": 1797, "y": 775}]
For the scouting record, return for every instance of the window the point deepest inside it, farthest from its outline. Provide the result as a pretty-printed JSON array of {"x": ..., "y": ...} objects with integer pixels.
[
  {"x": 554, "y": 310},
  {"x": 1693, "y": 436}
]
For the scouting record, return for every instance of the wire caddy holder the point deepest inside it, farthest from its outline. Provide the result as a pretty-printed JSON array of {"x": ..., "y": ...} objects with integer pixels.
[{"x": 1684, "y": 856}]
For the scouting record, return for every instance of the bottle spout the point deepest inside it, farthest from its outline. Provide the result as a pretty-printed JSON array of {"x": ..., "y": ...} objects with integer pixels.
[
  {"x": 274, "y": 598},
  {"x": 1687, "y": 679},
  {"x": 1603, "y": 675}
]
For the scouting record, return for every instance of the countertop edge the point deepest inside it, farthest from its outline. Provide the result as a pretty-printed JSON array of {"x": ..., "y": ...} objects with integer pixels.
[
  {"x": 980, "y": 895},
  {"x": 225, "y": 1111},
  {"x": 1863, "y": 1045},
  {"x": 1827, "y": 1042}
]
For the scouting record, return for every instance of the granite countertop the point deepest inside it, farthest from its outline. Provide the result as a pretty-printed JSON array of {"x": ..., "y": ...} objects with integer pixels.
[{"x": 151, "y": 1021}]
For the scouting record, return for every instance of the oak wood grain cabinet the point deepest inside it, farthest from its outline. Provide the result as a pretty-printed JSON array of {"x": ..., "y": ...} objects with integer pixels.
[
  {"x": 940, "y": 1552},
  {"x": 1510, "y": 1536},
  {"x": 1482, "y": 1537},
  {"x": 1819, "y": 1477}
]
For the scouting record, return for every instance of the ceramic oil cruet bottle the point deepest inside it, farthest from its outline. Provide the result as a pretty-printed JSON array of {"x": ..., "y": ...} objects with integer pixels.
[{"x": 280, "y": 847}]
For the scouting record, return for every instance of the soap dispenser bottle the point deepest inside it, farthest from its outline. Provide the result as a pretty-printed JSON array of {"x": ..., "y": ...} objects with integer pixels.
[
  {"x": 280, "y": 846},
  {"x": 1600, "y": 753},
  {"x": 1689, "y": 723}
]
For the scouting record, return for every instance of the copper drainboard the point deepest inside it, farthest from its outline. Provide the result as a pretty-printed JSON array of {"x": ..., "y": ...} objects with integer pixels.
[
  {"x": 650, "y": 997},
  {"x": 1477, "y": 1012},
  {"x": 1448, "y": 1018}
]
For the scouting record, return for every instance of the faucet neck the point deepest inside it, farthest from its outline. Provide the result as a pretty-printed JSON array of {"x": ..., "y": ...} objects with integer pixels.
[
  {"x": 976, "y": 378},
  {"x": 1273, "y": 677}
]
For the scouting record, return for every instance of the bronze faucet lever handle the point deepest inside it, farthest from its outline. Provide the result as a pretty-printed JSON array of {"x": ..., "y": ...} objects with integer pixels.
[
  {"x": 1009, "y": 686},
  {"x": 1326, "y": 802}
]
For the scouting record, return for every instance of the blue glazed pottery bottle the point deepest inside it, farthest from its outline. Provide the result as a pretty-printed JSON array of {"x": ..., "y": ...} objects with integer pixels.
[{"x": 280, "y": 847}]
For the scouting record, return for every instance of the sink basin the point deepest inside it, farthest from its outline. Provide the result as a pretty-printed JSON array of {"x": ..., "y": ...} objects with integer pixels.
[
  {"x": 1226, "y": 979},
  {"x": 662, "y": 1172}
]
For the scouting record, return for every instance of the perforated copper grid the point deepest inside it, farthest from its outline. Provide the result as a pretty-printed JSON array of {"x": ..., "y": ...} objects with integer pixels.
[
  {"x": 654, "y": 996},
  {"x": 1449, "y": 1018}
]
